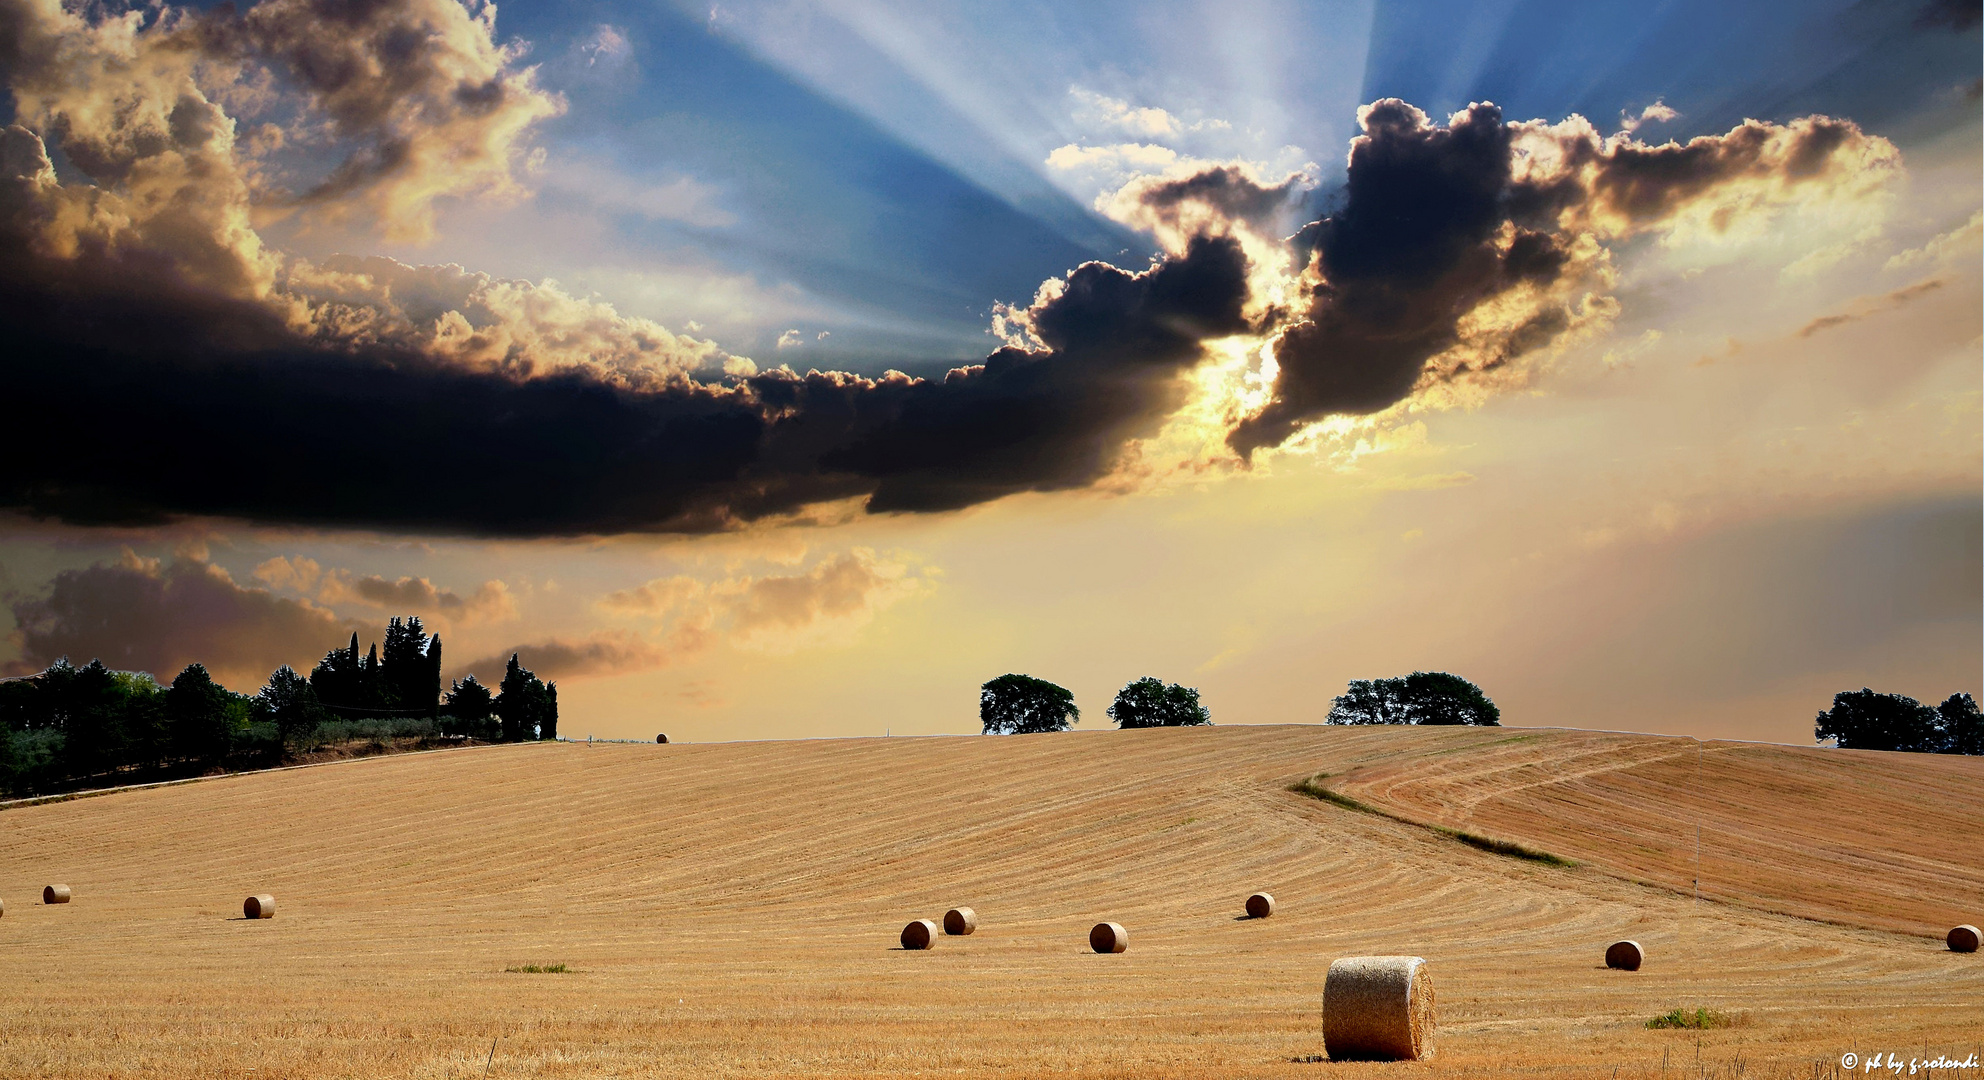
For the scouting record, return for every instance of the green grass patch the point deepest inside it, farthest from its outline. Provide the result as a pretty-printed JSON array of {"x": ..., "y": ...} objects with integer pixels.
[
  {"x": 539, "y": 969},
  {"x": 1315, "y": 789},
  {"x": 1504, "y": 847},
  {"x": 1692, "y": 1019}
]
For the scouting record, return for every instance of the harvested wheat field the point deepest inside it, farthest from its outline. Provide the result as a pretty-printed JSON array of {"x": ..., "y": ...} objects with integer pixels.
[{"x": 733, "y": 909}]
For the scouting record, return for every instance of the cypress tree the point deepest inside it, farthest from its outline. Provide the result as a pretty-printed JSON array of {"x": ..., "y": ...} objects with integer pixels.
[{"x": 433, "y": 688}]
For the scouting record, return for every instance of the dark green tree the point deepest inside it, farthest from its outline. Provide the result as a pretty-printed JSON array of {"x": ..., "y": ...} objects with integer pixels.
[
  {"x": 1370, "y": 701},
  {"x": 1150, "y": 702},
  {"x": 338, "y": 679},
  {"x": 1423, "y": 697},
  {"x": 410, "y": 679},
  {"x": 1022, "y": 704},
  {"x": 290, "y": 703},
  {"x": 88, "y": 701},
  {"x": 1962, "y": 724},
  {"x": 1439, "y": 697},
  {"x": 434, "y": 672},
  {"x": 1864, "y": 720},
  {"x": 527, "y": 707},
  {"x": 467, "y": 708},
  {"x": 200, "y": 715}
]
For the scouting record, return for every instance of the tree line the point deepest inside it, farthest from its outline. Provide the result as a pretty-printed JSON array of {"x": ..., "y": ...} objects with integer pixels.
[
  {"x": 69, "y": 727},
  {"x": 1022, "y": 704},
  {"x": 1864, "y": 720}
]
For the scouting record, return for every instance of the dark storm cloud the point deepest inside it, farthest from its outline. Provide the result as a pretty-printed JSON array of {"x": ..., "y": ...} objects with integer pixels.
[
  {"x": 1951, "y": 14},
  {"x": 137, "y": 615},
  {"x": 1436, "y": 222},
  {"x": 133, "y": 399}
]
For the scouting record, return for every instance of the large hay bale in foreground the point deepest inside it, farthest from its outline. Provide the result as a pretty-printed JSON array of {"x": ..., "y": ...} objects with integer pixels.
[
  {"x": 920, "y": 934},
  {"x": 1963, "y": 938},
  {"x": 55, "y": 894},
  {"x": 259, "y": 906},
  {"x": 1378, "y": 1008},
  {"x": 1624, "y": 955},
  {"x": 960, "y": 921},
  {"x": 661, "y": 740},
  {"x": 1260, "y": 906},
  {"x": 1108, "y": 937}
]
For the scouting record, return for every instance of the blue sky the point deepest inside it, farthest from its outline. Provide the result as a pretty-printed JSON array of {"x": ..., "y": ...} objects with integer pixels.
[{"x": 879, "y": 171}]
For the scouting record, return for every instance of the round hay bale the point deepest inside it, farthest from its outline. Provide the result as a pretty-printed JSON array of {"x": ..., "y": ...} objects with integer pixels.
[
  {"x": 1624, "y": 955},
  {"x": 1260, "y": 906},
  {"x": 1962, "y": 938},
  {"x": 960, "y": 921},
  {"x": 920, "y": 934},
  {"x": 1378, "y": 1008},
  {"x": 259, "y": 906},
  {"x": 55, "y": 894},
  {"x": 661, "y": 740},
  {"x": 3, "y": 907},
  {"x": 1108, "y": 937}
]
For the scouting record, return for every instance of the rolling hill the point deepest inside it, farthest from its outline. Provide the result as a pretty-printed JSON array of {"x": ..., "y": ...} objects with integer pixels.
[{"x": 732, "y": 909}]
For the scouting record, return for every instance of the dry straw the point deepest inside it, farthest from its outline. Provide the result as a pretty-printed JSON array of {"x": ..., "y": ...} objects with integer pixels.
[
  {"x": 920, "y": 934},
  {"x": 1624, "y": 955},
  {"x": 55, "y": 894},
  {"x": 259, "y": 906},
  {"x": 1260, "y": 906},
  {"x": 661, "y": 740},
  {"x": 1108, "y": 937},
  {"x": 1963, "y": 938},
  {"x": 960, "y": 921},
  {"x": 1378, "y": 1008}
]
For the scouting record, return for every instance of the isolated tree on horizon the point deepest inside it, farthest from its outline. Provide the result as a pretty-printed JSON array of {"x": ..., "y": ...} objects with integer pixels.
[
  {"x": 1149, "y": 702},
  {"x": 1423, "y": 697},
  {"x": 1022, "y": 704}
]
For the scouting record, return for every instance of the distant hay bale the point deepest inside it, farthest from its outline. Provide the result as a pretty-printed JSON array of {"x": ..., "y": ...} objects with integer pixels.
[
  {"x": 259, "y": 906},
  {"x": 1378, "y": 1008},
  {"x": 3, "y": 907},
  {"x": 920, "y": 934},
  {"x": 1260, "y": 906},
  {"x": 1108, "y": 937},
  {"x": 960, "y": 921},
  {"x": 1624, "y": 955},
  {"x": 55, "y": 894},
  {"x": 661, "y": 740},
  {"x": 1963, "y": 938}
]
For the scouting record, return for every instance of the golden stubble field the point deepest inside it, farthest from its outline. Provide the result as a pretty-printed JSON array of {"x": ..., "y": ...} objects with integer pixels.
[{"x": 732, "y": 909}]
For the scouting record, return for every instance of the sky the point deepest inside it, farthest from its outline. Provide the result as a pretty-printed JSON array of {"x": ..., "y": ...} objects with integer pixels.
[{"x": 789, "y": 368}]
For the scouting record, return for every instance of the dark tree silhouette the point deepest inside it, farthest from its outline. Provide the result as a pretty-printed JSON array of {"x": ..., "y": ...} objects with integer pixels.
[
  {"x": 1963, "y": 725},
  {"x": 290, "y": 703},
  {"x": 528, "y": 708},
  {"x": 408, "y": 676},
  {"x": 1423, "y": 697},
  {"x": 1022, "y": 704},
  {"x": 338, "y": 678},
  {"x": 468, "y": 701},
  {"x": 1864, "y": 720},
  {"x": 1149, "y": 702},
  {"x": 201, "y": 717}
]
